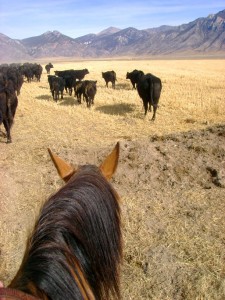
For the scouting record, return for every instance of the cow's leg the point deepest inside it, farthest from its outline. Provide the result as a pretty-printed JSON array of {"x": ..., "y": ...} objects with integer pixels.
[
  {"x": 145, "y": 103},
  {"x": 56, "y": 96},
  {"x": 154, "y": 112},
  {"x": 62, "y": 94},
  {"x": 7, "y": 128},
  {"x": 87, "y": 100},
  {"x": 79, "y": 98}
]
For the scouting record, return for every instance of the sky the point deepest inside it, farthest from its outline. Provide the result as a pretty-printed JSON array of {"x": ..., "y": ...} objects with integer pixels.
[{"x": 21, "y": 19}]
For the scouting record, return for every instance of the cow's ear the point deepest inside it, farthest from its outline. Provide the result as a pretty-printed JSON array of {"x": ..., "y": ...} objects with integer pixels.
[
  {"x": 109, "y": 165},
  {"x": 64, "y": 169}
]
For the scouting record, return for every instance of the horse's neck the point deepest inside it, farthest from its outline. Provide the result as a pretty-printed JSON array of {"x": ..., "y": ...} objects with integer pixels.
[{"x": 8, "y": 293}]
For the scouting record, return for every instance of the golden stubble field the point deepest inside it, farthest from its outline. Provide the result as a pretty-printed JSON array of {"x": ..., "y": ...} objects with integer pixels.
[{"x": 172, "y": 205}]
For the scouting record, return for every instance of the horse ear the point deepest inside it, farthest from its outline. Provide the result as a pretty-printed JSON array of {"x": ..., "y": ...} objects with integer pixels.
[
  {"x": 64, "y": 169},
  {"x": 109, "y": 165}
]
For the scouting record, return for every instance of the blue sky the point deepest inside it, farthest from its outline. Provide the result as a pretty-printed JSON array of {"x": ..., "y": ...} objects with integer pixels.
[{"x": 27, "y": 18}]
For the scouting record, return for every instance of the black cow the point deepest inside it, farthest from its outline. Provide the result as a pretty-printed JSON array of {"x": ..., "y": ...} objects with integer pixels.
[
  {"x": 79, "y": 90},
  {"x": 27, "y": 71},
  {"x": 31, "y": 71},
  {"x": 3, "y": 80},
  {"x": 16, "y": 78},
  {"x": 48, "y": 67},
  {"x": 80, "y": 74},
  {"x": 70, "y": 83},
  {"x": 134, "y": 77},
  {"x": 149, "y": 89},
  {"x": 90, "y": 90},
  {"x": 64, "y": 73},
  {"x": 50, "y": 80},
  {"x": 57, "y": 85},
  {"x": 109, "y": 76},
  {"x": 76, "y": 74},
  {"x": 37, "y": 71},
  {"x": 13, "y": 74},
  {"x": 8, "y": 105}
]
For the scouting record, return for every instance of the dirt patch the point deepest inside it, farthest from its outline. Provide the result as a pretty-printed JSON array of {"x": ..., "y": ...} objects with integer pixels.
[
  {"x": 194, "y": 158},
  {"x": 173, "y": 192}
]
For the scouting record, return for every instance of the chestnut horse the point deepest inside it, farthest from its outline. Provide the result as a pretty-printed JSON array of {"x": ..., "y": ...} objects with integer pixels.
[{"x": 75, "y": 249}]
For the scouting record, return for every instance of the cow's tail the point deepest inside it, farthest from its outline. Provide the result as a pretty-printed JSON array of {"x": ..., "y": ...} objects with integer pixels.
[
  {"x": 151, "y": 87},
  {"x": 9, "y": 111},
  {"x": 1, "y": 117}
]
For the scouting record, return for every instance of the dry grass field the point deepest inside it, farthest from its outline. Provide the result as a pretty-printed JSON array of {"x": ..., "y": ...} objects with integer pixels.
[{"x": 171, "y": 173}]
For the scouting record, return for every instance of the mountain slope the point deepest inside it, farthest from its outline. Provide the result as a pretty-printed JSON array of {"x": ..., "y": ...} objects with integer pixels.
[
  {"x": 12, "y": 49},
  {"x": 202, "y": 36},
  {"x": 52, "y": 44}
]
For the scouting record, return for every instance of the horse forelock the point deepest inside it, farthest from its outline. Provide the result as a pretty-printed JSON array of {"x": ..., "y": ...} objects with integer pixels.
[{"x": 80, "y": 224}]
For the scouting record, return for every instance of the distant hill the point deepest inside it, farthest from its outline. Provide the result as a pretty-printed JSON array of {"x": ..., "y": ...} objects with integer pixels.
[
  {"x": 12, "y": 50},
  {"x": 108, "y": 31},
  {"x": 203, "y": 36}
]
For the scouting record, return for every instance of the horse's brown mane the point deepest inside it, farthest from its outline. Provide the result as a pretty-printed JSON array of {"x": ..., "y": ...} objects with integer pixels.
[{"x": 76, "y": 248}]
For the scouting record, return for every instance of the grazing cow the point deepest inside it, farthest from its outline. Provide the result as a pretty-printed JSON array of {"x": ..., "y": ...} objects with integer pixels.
[
  {"x": 134, "y": 77},
  {"x": 18, "y": 83},
  {"x": 79, "y": 90},
  {"x": 90, "y": 90},
  {"x": 37, "y": 71},
  {"x": 70, "y": 83},
  {"x": 63, "y": 73},
  {"x": 13, "y": 74},
  {"x": 48, "y": 67},
  {"x": 8, "y": 105},
  {"x": 3, "y": 80},
  {"x": 27, "y": 71},
  {"x": 58, "y": 85},
  {"x": 109, "y": 76},
  {"x": 76, "y": 74},
  {"x": 149, "y": 89},
  {"x": 50, "y": 80},
  {"x": 17, "y": 80},
  {"x": 30, "y": 71},
  {"x": 80, "y": 74}
]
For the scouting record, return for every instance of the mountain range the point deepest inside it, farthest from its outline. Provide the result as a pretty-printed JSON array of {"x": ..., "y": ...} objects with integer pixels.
[{"x": 201, "y": 37}]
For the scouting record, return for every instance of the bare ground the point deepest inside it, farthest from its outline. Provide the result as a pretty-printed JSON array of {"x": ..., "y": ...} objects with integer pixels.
[{"x": 171, "y": 179}]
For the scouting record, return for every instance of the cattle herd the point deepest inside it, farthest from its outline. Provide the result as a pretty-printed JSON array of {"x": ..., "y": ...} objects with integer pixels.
[{"x": 13, "y": 76}]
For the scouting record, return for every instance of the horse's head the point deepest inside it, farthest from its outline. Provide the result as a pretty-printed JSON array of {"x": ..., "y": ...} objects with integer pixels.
[
  {"x": 66, "y": 171},
  {"x": 75, "y": 249}
]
